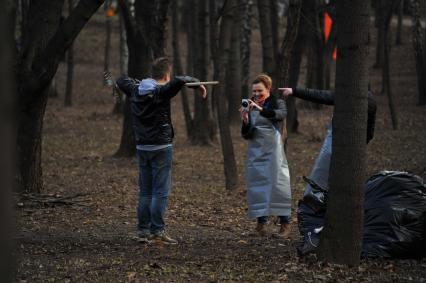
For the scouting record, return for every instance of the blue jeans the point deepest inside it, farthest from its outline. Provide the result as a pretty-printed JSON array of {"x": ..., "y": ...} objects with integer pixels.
[
  {"x": 264, "y": 219},
  {"x": 321, "y": 169},
  {"x": 155, "y": 179}
]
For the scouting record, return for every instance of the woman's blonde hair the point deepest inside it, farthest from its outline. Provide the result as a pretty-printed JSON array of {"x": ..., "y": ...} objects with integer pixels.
[{"x": 264, "y": 79}]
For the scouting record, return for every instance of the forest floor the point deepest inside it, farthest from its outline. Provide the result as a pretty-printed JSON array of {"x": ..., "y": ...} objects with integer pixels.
[{"x": 89, "y": 238}]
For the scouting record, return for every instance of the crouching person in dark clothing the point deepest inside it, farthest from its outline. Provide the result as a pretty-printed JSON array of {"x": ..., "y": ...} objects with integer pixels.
[
  {"x": 151, "y": 118},
  {"x": 320, "y": 172}
]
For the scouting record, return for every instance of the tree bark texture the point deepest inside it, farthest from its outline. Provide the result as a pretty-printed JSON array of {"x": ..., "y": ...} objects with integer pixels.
[
  {"x": 44, "y": 44},
  {"x": 341, "y": 240},
  {"x": 285, "y": 54},
  {"x": 268, "y": 62},
  {"x": 221, "y": 61},
  {"x": 247, "y": 13},
  {"x": 233, "y": 83},
  {"x": 178, "y": 69},
  {"x": 8, "y": 139},
  {"x": 419, "y": 43},
  {"x": 204, "y": 129},
  {"x": 70, "y": 67}
]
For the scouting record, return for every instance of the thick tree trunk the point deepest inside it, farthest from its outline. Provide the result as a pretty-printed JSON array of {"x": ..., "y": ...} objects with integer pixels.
[
  {"x": 107, "y": 50},
  {"x": 285, "y": 54},
  {"x": 341, "y": 240},
  {"x": 221, "y": 60},
  {"x": 398, "y": 40},
  {"x": 204, "y": 129},
  {"x": 245, "y": 46},
  {"x": 268, "y": 62},
  {"x": 233, "y": 83},
  {"x": 295, "y": 61},
  {"x": 43, "y": 46},
  {"x": 8, "y": 139},
  {"x": 419, "y": 43},
  {"x": 70, "y": 67},
  {"x": 178, "y": 69}
]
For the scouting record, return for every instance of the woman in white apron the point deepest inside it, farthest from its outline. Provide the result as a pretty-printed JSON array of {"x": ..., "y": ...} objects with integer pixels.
[{"x": 267, "y": 174}]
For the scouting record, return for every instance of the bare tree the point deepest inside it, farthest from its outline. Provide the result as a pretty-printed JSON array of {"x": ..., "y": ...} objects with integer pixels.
[
  {"x": 8, "y": 137},
  {"x": 70, "y": 67},
  {"x": 44, "y": 44},
  {"x": 398, "y": 40},
  {"x": 341, "y": 240},
  {"x": 204, "y": 130},
  {"x": 419, "y": 43},
  {"x": 233, "y": 83},
  {"x": 107, "y": 50},
  {"x": 247, "y": 13},
  {"x": 177, "y": 65},
  {"x": 267, "y": 36},
  {"x": 220, "y": 63},
  {"x": 286, "y": 53}
]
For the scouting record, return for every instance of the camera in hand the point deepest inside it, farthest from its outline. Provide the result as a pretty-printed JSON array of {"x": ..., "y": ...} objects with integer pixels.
[{"x": 245, "y": 104}]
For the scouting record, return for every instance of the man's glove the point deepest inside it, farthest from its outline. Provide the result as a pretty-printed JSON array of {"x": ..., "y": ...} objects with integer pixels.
[{"x": 188, "y": 79}]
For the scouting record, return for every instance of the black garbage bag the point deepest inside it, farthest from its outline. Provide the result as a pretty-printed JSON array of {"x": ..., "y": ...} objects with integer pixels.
[{"x": 395, "y": 217}]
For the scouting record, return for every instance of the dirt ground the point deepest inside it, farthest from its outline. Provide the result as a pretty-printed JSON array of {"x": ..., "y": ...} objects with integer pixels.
[{"x": 91, "y": 240}]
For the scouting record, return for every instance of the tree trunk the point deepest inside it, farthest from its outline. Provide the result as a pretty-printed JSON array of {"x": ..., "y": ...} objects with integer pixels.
[
  {"x": 204, "y": 129},
  {"x": 419, "y": 43},
  {"x": 70, "y": 67},
  {"x": 214, "y": 39},
  {"x": 386, "y": 88},
  {"x": 268, "y": 62},
  {"x": 398, "y": 40},
  {"x": 107, "y": 50},
  {"x": 8, "y": 139},
  {"x": 295, "y": 60},
  {"x": 221, "y": 60},
  {"x": 284, "y": 60},
  {"x": 341, "y": 240},
  {"x": 233, "y": 83},
  {"x": 178, "y": 69},
  {"x": 247, "y": 14},
  {"x": 124, "y": 52}
]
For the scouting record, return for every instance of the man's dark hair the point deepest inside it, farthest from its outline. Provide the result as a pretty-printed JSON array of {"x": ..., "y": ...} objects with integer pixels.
[{"x": 160, "y": 67}]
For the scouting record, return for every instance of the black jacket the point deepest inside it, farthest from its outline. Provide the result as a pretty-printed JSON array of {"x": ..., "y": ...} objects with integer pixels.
[
  {"x": 274, "y": 109},
  {"x": 151, "y": 112},
  {"x": 327, "y": 97}
]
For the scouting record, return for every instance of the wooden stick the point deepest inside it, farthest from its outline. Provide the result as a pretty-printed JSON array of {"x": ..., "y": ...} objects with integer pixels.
[{"x": 202, "y": 83}]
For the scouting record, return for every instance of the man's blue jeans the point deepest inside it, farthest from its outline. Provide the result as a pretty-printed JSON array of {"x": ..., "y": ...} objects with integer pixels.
[{"x": 154, "y": 188}]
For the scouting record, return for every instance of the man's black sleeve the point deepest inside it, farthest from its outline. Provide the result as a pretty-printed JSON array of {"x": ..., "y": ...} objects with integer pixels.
[
  {"x": 127, "y": 85},
  {"x": 172, "y": 88},
  {"x": 315, "y": 95}
]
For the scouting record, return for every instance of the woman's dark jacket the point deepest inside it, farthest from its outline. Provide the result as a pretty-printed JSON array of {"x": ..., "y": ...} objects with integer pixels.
[
  {"x": 327, "y": 97},
  {"x": 274, "y": 109}
]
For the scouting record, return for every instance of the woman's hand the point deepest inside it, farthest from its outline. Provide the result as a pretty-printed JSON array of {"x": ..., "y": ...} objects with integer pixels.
[
  {"x": 244, "y": 115},
  {"x": 254, "y": 105},
  {"x": 286, "y": 91}
]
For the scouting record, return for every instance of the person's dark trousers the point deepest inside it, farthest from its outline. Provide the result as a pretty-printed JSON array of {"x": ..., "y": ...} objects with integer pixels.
[
  {"x": 264, "y": 219},
  {"x": 154, "y": 188}
]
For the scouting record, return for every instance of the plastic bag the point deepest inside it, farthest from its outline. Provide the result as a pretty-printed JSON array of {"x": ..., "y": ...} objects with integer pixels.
[{"x": 395, "y": 217}]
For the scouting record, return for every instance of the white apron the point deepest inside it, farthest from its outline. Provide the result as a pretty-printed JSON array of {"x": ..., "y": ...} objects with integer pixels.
[{"x": 267, "y": 174}]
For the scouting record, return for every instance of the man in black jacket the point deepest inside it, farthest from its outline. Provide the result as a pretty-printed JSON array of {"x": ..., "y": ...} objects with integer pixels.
[
  {"x": 150, "y": 106},
  {"x": 320, "y": 172}
]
